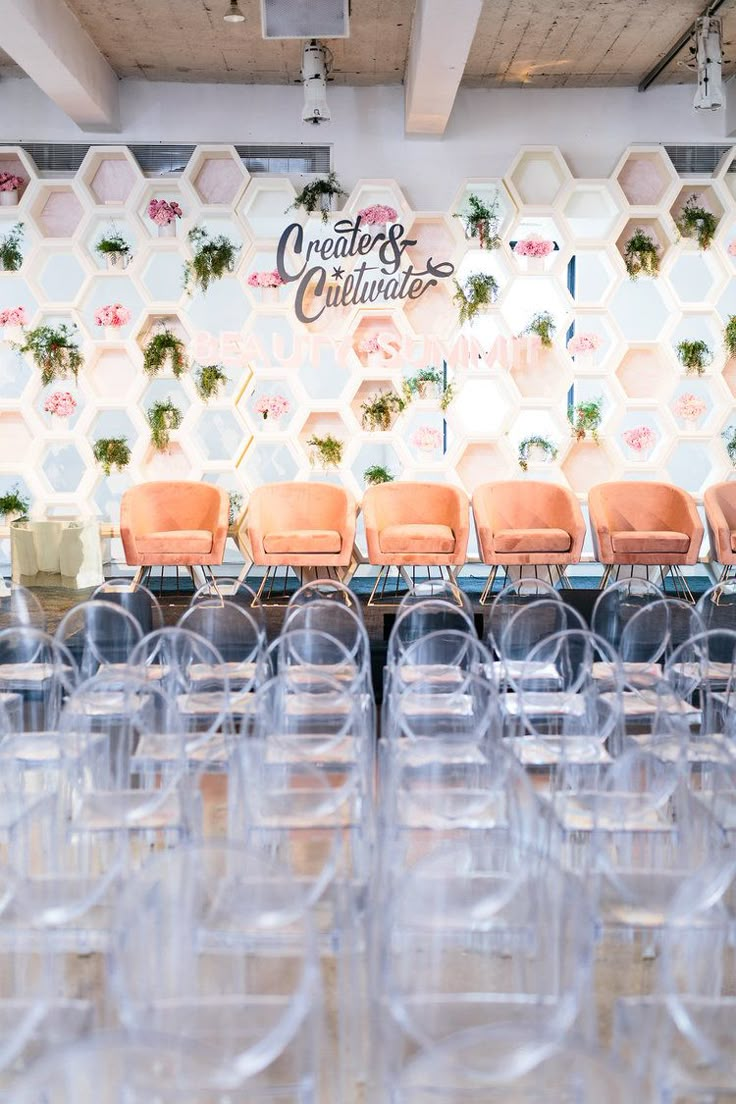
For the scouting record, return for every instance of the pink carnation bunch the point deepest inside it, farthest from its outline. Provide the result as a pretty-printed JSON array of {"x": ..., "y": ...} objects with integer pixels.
[
  {"x": 583, "y": 343},
  {"x": 13, "y": 316},
  {"x": 426, "y": 438},
  {"x": 272, "y": 406},
  {"x": 370, "y": 344},
  {"x": 533, "y": 247},
  {"x": 61, "y": 403},
  {"x": 163, "y": 211},
  {"x": 378, "y": 215},
  {"x": 9, "y": 182},
  {"x": 689, "y": 407},
  {"x": 640, "y": 438},
  {"x": 114, "y": 314},
  {"x": 265, "y": 279}
]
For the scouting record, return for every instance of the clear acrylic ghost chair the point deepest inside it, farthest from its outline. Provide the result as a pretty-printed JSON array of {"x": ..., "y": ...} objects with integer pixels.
[
  {"x": 717, "y": 607},
  {"x": 701, "y": 673},
  {"x": 191, "y": 671},
  {"x": 111, "y": 1067},
  {"x": 309, "y": 820},
  {"x": 437, "y": 588},
  {"x": 21, "y": 607},
  {"x": 41, "y": 670},
  {"x": 127, "y": 764},
  {"x": 506, "y": 1064},
  {"x": 465, "y": 714},
  {"x": 214, "y": 947},
  {"x": 137, "y": 599},
  {"x": 421, "y": 618},
  {"x": 328, "y": 590},
  {"x": 236, "y": 635},
  {"x": 618, "y": 603},
  {"x": 234, "y": 591},
  {"x": 526, "y": 628},
  {"x": 479, "y": 934},
  {"x": 306, "y": 653},
  {"x": 98, "y": 634},
  {"x": 340, "y": 622},
  {"x": 513, "y": 597}
]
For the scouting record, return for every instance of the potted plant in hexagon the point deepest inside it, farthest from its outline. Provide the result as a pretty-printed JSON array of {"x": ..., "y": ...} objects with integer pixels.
[
  {"x": 695, "y": 221},
  {"x": 236, "y": 505},
  {"x": 377, "y": 473},
  {"x": 164, "y": 350},
  {"x": 729, "y": 436},
  {"x": 475, "y": 296},
  {"x": 13, "y": 321},
  {"x": 585, "y": 418},
  {"x": 164, "y": 213},
  {"x": 543, "y": 326},
  {"x": 319, "y": 195},
  {"x": 163, "y": 417},
  {"x": 325, "y": 451},
  {"x": 54, "y": 350},
  {"x": 729, "y": 335},
  {"x": 209, "y": 379},
  {"x": 379, "y": 410},
  {"x": 11, "y": 257},
  {"x": 482, "y": 221},
  {"x": 13, "y": 504},
  {"x": 114, "y": 249},
  {"x": 9, "y": 185},
  {"x": 641, "y": 255},
  {"x": 694, "y": 356},
  {"x": 112, "y": 452},
  {"x": 535, "y": 449},
  {"x": 213, "y": 258}
]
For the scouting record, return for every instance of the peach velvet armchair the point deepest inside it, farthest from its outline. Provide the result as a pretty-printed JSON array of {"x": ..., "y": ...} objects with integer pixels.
[
  {"x": 520, "y": 523},
  {"x": 180, "y": 524},
  {"x": 644, "y": 523},
  {"x": 301, "y": 525},
  {"x": 416, "y": 524},
  {"x": 720, "y": 517}
]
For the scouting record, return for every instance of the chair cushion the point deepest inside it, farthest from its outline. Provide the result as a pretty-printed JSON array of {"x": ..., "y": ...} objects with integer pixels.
[
  {"x": 650, "y": 540},
  {"x": 302, "y": 541},
  {"x": 170, "y": 541},
  {"x": 417, "y": 538},
  {"x": 532, "y": 540}
]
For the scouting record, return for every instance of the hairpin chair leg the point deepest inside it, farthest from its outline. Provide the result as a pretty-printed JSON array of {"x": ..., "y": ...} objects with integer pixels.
[{"x": 489, "y": 584}]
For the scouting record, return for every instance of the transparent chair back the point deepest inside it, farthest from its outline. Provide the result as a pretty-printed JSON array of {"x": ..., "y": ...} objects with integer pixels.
[
  {"x": 137, "y": 599},
  {"x": 328, "y": 590},
  {"x": 40, "y": 670},
  {"x": 437, "y": 588},
  {"x": 21, "y": 607},
  {"x": 513, "y": 597},
  {"x": 235, "y": 633},
  {"x": 618, "y": 603},
  {"x": 98, "y": 634},
  {"x": 717, "y": 607},
  {"x": 338, "y": 621},
  {"x": 701, "y": 674},
  {"x": 419, "y": 619}
]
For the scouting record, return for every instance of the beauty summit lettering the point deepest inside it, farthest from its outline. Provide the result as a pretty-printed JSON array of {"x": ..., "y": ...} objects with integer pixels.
[{"x": 390, "y": 279}]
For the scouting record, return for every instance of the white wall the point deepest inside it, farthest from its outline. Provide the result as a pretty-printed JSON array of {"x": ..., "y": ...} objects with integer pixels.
[{"x": 591, "y": 126}]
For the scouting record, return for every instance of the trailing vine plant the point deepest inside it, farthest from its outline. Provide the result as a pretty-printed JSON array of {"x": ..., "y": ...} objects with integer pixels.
[
  {"x": 729, "y": 335},
  {"x": 214, "y": 257},
  {"x": 377, "y": 473},
  {"x": 729, "y": 436},
  {"x": 477, "y": 293},
  {"x": 163, "y": 417},
  {"x": 14, "y": 502},
  {"x": 641, "y": 255},
  {"x": 11, "y": 257},
  {"x": 694, "y": 221},
  {"x": 161, "y": 347},
  {"x": 112, "y": 452},
  {"x": 54, "y": 350},
  {"x": 482, "y": 221},
  {"x": 543, "y": 325},
  {"x": 310, "y": 197},
  {"x": 209, "y": 379},
  {"x": 694, "y": 356},
  {"x": 327, "y": 449},
  {"x": 418, "y": 387},
  {"x": 585, "y": 418},
  {"x": 379, "y": 409},
  {"x": 529, "y": 443}
]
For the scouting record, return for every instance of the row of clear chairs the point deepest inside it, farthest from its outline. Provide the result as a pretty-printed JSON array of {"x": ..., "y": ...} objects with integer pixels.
[{"x": 217, "y": 887}]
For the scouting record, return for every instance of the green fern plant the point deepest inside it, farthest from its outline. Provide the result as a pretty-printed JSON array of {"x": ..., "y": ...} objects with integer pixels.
[
  {"x": 163, "y": 417},
  {"x": 111, "y": 452},
  {"x": 208, "y": 380},
  {"x": 54, "y": 350},
  {"x": 161, "y": 347},
  {"x": 213, "y": 258}
]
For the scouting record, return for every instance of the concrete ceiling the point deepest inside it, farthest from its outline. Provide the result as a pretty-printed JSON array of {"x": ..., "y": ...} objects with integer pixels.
[{"x": 540, "y": 43}]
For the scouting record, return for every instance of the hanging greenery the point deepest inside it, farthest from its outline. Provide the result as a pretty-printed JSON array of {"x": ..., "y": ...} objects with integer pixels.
[
  {"x": 236, "y": 505},
  {"x": 379, "y": 409},
  {"x": 535, "y": 442},
  {"x": 729, "y": 335},
  {"x": 376, "y": 474},
  {"x": 641, "y": 255},
  {"x": 112, "y": 452},
  {"x": 543, "y": 325},
  {"x": 114, "y": 247},
  {"x": 54, "y": 351},
  {"x": 428, "y": 383},
  {"x": 208, "y": 380},
  {"x": 477, "y": 294},
  {"x": 327, "y": 450},
  {"x": 14, "y": 503},
  {"x": 163, "y": 417},
  {"x": 318, "y": 194},
  {"x": 482, "y": 221},
  {"x": 729, "y": 436},
  {"x": 214, "y": 257},
  {"x": 695, "y": 221},
  {"x": 161, "y": 347},
  {"x": 11, "y": 257},
  {"x": 694, "y": 356},
  {"x": 585, "y": 418}
]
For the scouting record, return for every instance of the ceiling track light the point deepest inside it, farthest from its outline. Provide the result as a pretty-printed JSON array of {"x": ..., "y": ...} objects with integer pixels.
[
  {"x": 709, "y": 58},
  {"x": 233, "y": 13}
]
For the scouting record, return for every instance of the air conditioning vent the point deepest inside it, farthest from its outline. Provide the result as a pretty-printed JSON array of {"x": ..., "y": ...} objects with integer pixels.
[
  {"x": 697, "y": 160},
  {"x": 170, "y": 159},
  {"x": 305, "y": 18}
]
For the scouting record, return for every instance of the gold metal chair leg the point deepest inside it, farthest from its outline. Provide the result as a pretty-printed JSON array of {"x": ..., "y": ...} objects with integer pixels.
[
  {"x": 379, "y": 577},
  {"x": 489, "y": 584}
]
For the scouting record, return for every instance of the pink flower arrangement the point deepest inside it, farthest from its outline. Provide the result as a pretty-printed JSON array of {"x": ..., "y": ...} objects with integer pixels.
[
  {"x": 9, "y": 182},
  {"x": 265, "y": 279},
  {"x": 61, "y": 403},
  {"x": 583, "y": 343},
  {"x": 689, "y": 407},
  {"x": 732, "y": 248},
  {"x": 378, "y": 215},
  {"x": 426, "y": 438},
  {"x": 533, "y": 247},
  {"x": 163, "y": 211},
  {"x": 13, "y": 316},
  {"x": 114, "y": 314},
  {"x": 369, "y": 344},
  {"x": 639, "y": 439},
  {"x": 272, "y": 406}
]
